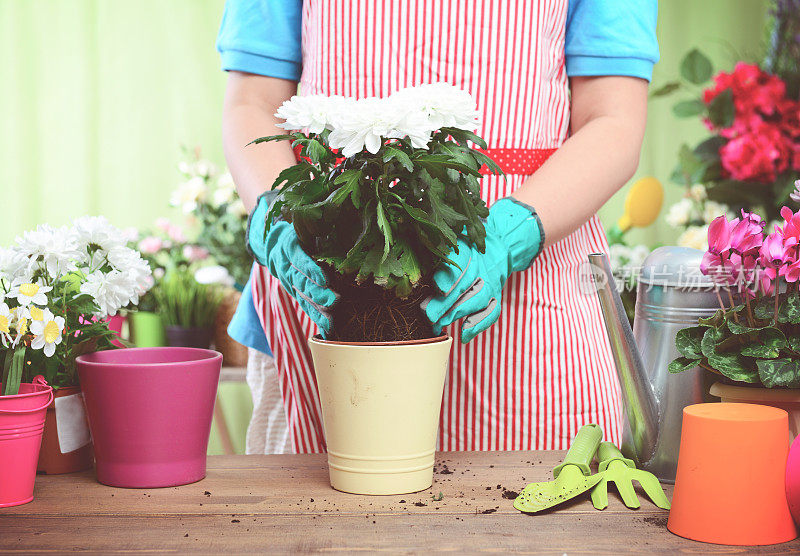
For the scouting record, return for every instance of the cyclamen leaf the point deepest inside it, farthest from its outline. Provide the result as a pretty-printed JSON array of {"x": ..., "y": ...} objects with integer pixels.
[
  {"x": 687, "y": 341},
  {"x": 682, "y": 364},
  {"x": 776, "y": 373}
]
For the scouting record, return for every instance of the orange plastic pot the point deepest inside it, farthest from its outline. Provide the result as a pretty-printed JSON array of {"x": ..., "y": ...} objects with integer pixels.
[
  {"x": 730, "y": 486},
  {"x": 52, "y": 461}
]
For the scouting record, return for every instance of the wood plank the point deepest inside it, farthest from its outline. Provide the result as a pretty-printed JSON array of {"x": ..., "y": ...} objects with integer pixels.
[
  {"x": 298, "y": 484},
  {"x": 554, "y": 533},
  {"x": 281, "y": 504}
]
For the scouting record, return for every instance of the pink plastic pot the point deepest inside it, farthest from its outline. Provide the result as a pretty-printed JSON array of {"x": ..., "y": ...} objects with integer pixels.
[
  {"x": 150, "y": 412},
  {"x": 21, "y": 425}
]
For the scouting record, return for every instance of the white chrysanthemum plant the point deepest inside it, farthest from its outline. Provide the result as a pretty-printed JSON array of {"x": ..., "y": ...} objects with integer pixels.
[
  {"x": 383, "y": 190},
  {"x": 58, "y": 287}
]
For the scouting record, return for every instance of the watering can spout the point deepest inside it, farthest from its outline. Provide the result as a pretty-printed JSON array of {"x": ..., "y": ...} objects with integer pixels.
[{"x": 638, "y": 398}]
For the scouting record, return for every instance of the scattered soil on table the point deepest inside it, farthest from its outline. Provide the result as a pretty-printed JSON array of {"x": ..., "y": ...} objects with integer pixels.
[
  {"x": 510, "y": 494},
  {"x": 235, "y": 521},
  {"x": 207, "y": 493},
  {"x": 420, "y": 504},
  {"x": 370, "y": 313},
  {"x": 489, "y": 511},
  {"x": 660, "y": 522},
  {"x": 445, "y": 470}
]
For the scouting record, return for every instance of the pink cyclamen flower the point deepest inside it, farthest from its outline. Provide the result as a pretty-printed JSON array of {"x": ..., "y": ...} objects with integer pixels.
[
  {"x": 748, "y": 234},
  {"x": 773, "y": 254},
  {"x": 150, "y": 245},
  {"x": 716, "y": 261},
  {"x": 194, "y": 253}
]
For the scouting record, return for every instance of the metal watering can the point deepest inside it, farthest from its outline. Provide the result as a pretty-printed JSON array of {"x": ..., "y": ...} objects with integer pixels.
[{"x": 672, "y": 294}]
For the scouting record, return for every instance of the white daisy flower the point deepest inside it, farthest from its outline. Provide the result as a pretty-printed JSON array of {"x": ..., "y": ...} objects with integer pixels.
[
  {"x": 680, "y": 213},
  {"x": 5, "y": 319},
  {"x": 29, "y": 292},
  {"x": 110, "y": 291},
  {"x": 695, "y": 237},
  {"x": 47, "y": 332},
  {"x": 712, "y": 210}
]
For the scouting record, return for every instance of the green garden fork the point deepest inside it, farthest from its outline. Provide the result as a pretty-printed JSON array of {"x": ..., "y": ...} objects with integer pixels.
[{"x": 616, "y": 468}]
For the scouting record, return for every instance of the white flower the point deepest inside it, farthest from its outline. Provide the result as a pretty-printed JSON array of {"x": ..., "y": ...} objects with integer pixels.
[
  {"x": 111, "y": 291},
  {"x": 54, "y": 248},
  {"x": 712, "y": 209},
  {"x": 29, "y": 292},
  {"x": 214, "y": 275},
  {"x": 225, "y": 191},
  {"x": 312, "y": 113},
  {"x": 680, "y": 213},
  {"x": 96, "y": 231},
  {"x": 698, "y": 192},
  {"x": 367, "y": 125},
  {"x": 237, "y": 208},
  {"x": 47, "y": 332},
  {"x": 188, "y": 194},
  {"x": 131, "y": 263},
  {"x": 5, "y": 319},
  {"x": 443, "y": 105},
  {"x": 695, "y": 237},
  {"x": 14, "y": 266}
]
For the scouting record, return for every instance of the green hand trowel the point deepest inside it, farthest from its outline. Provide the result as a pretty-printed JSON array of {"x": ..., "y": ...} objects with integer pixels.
[
  {"x": 572, "y": 477},
  {"x": 615, "y": 468}
]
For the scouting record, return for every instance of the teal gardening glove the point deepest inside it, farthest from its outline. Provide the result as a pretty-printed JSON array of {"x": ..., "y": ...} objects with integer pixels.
[
  {"x": 514, "y": 238},
  {"x": 281, "y": 253}
]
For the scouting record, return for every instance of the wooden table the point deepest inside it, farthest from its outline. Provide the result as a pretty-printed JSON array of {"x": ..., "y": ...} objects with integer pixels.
[{"x": 284, "y": 504}]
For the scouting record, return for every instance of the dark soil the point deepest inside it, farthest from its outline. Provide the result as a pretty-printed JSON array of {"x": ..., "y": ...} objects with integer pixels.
[{"x": 369, "y": 313}]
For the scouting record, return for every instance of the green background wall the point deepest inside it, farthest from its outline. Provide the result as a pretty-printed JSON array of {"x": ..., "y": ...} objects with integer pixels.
[{"x": 96, "y": 96}]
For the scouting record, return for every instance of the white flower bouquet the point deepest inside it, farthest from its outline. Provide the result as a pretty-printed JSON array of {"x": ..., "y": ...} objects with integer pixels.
[{"x": 58, "y": 286}]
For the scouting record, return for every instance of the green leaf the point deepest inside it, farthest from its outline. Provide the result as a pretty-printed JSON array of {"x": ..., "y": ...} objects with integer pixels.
[
  {"x": 349, "y": 183},
  {"x": 666, "y": 89},
  {"x": 715, "y": 321},
  {"x": 696, "y": 67},
  {"x": 386, "y": 230},
  {"x": 281, "y": 137},
  {"x": 766, "y": 343},
  {"x": 390, "y": 152},
  {"x": 315, "y": 151},
  {"x": 682, "y": 364},
  {"x": 720, "y": 110},
  {"x": 688, "y": 108},
  {"x": 14, "y": 378},
  {"x": 461, "y": 136},
  {"x": 794, "y": 342},
  {"x": 776, "y": 373},
  {"x": 688, "y": 340}
]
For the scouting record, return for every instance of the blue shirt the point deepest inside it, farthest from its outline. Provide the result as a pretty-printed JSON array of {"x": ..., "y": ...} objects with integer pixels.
[{"x": 604, "y": 37}]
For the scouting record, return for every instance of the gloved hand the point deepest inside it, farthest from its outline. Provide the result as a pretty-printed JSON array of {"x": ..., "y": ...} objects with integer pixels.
[
  {"x": 514, "y": 238},
  {"x": 281, "y": 253}
]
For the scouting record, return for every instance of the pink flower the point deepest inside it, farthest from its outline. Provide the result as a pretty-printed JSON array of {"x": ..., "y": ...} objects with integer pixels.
[
  {"x": 163, "y": 224},
  {"x": 176, "y": 234},
  {"x": 194, "y": 253},
  {"x": 150, "y": 245},
  {"x": 748, "y": 234},
  {"x": 757, "y": 154},
  {"x": 773, "y": 256},
  {"x": 716, "y": 261}
]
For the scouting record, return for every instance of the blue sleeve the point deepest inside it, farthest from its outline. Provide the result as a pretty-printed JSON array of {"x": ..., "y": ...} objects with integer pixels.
[
  {"x": 262, "y": 37},
  {"x": 245, "y": 326},
  {"x": 611, "y": 37}
]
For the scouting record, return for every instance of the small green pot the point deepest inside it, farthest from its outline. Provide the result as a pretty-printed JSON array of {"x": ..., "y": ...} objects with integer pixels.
[{"x": 147, "y": 330}]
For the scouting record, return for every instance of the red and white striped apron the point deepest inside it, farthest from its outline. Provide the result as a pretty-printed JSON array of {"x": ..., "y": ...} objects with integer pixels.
[{"x": 545, "y": 368}]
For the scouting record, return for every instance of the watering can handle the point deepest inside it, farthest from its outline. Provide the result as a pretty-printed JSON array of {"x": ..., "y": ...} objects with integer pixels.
[
  {"x": 42, "y": 382},
  {"x": 582, "y": 450},
  {"x": 608, "y": 452}
]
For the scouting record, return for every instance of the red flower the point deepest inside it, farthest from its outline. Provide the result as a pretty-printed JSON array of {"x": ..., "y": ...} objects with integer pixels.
[
  {"x": 752, "y": 88},
  {"x": 756, "y": 155}
]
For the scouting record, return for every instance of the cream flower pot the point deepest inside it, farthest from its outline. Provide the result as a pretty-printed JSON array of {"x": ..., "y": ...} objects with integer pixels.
[
  {"x": 788, "y": 400},
  {"x": 380, "y": 410}
]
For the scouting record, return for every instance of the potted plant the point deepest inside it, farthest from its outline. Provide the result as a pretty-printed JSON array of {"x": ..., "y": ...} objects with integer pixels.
[
  {"x": 164, "y": 248},
  {"x": 380, "y": 207},
  {"x": 187, "y": 308},
  {"x": 750, "y": 159},
  {"x": 58, "y": 286},
  {"x": 209, "y": 200},
  {"x": 753, "y": 341}
]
